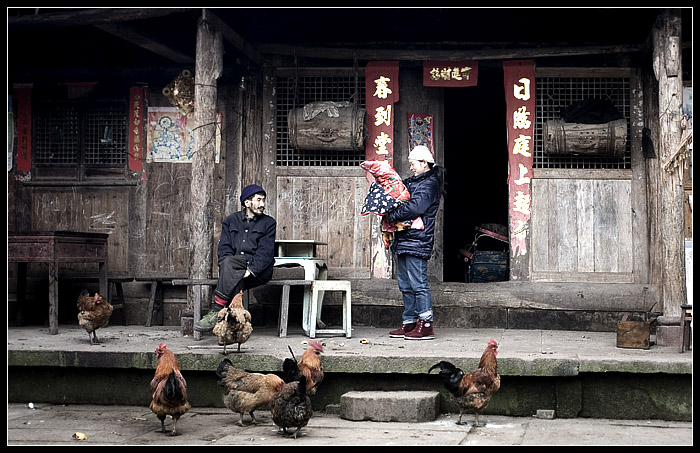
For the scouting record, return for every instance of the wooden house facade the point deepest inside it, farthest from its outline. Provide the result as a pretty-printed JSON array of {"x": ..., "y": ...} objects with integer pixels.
[{"x": 113, "y": 137}]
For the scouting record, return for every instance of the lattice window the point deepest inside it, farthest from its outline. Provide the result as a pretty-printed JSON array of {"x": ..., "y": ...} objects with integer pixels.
[
  {"x": 79, "y": 136},
  {"x": 57, "y": 136},
  {"x": 556, "y": 93},
  {"x": 314, "y": 89},
  {"x": 106, "y": 136}
]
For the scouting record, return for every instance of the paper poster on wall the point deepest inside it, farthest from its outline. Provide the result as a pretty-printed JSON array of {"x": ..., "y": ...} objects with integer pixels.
[
  {"x": 420, "y": 131},
  {"x": 171, "y": 137}
]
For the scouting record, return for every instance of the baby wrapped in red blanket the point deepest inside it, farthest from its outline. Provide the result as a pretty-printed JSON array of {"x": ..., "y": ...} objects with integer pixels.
[{"x": 386, "y": 193}]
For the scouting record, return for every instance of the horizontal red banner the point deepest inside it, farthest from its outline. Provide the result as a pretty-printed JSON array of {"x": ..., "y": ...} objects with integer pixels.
[{"x": 450, "y": 73}]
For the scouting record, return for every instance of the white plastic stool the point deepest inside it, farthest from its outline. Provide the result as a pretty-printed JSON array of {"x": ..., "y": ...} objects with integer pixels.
[{"x": 318, "y": 287}]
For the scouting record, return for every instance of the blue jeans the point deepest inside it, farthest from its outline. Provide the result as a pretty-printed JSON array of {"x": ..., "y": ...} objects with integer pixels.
[{"x": 412, "y": 277}]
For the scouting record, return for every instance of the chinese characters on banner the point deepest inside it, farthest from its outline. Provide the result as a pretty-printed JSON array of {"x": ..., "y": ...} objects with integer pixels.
[
  {"x": 137, "y": 97},
  {"x": 382, "y": 91},
  {"x": 519, "y": 79},
  {"x": 24, "y": 128},
  {"x": 450, "y": 73}
]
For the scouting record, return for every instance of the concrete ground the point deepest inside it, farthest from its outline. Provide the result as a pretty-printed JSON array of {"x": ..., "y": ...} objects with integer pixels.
[
  {"x": 369, "y": 352},
  {"x": 46, "y": 424}
]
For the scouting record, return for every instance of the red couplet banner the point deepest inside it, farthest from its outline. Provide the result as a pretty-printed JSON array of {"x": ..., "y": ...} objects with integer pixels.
[
  {"x": 23, "y": 96},
  {"x": 381, "y": 92},
  {"x": 137, "y": 117},
  {"x": 519, "y": 80}
]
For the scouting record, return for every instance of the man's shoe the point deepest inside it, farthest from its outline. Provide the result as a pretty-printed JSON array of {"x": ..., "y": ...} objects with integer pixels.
[
  {"x": 423, "y": 331},
  {"x": 206, "y": 324},
  {"x": 403, "y": 330}
]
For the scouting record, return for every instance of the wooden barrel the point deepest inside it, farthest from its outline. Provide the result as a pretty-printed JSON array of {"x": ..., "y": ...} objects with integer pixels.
[
  {"x": 595, "y": 140},
  {"x": 327, "y": 126}
]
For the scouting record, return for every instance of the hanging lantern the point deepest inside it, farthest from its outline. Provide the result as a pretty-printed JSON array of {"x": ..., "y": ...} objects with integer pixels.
[{"x": 180, "y": 92}]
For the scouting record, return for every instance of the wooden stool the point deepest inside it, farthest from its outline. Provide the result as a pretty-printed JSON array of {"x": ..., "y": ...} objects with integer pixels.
[
  {"x": 318, "y": 287},
  {"x": 686, "y": 319}
]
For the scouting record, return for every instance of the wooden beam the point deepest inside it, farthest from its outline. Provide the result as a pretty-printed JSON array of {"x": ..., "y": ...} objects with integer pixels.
[
  {"x": 443, "y": 54},
  {"x": 665, "y": 63},
  {"x": 201, "y": 217},
  {"x": 93, "y": 16},
  {"x": 232, "y": 37},
  {"x": 139, "y": 38}
]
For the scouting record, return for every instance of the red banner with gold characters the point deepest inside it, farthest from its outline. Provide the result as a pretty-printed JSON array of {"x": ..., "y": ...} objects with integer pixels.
[
  {"x": 137, "y": 140},
  {"x": 450, "y": 73},
  {"x": 23, "y": 95},
  {"x": 519, "y": 80},
  {"x": 381, "y": 92}
]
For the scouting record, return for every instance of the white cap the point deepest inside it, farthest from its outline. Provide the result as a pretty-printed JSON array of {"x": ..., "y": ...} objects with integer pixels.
[{"x": 421, "y": 152}]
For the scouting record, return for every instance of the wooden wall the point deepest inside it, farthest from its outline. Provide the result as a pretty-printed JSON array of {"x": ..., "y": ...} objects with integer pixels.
[
  {"x": 323, "y": 203},
  {"x": 582, "y": 230}
]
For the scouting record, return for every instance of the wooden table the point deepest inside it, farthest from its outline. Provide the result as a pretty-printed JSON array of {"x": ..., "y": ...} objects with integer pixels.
[{"x": 56, "y": 247}]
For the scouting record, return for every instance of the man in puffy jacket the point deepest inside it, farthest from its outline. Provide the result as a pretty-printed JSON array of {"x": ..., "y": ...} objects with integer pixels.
[
  {"x": 414, "y": 247},
  {"x": 246, "y": 252}
]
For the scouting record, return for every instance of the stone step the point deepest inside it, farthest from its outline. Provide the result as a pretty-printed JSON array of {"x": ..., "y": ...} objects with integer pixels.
[{"x": 390, "y": 406}]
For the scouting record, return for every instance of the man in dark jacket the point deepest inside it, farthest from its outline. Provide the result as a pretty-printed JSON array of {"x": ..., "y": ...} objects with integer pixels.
[
  {"x": 414, "y": 247},
  {"x": 246, "y": 252}
]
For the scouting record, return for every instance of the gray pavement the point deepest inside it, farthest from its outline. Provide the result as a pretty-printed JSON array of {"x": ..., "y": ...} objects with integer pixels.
[
  {"x": 370, "y": 350},
  {"x": 46, "y": 424}
]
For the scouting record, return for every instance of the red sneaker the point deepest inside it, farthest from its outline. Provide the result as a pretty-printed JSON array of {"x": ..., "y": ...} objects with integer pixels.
[
  {"x": 423, "y": 331},
  {"x": 403, "y": 330}
]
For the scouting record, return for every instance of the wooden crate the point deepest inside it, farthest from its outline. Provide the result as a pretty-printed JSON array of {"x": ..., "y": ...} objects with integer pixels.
[{"x": 633, "y": 334}]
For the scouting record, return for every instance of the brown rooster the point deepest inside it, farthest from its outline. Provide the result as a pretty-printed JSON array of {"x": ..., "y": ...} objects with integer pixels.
[
  {"x": 473, "y": 390},
  {"x": 246, "y": 392},
  {"x": 291, "y": 406},
  {"x": 168, "y": 389},
  {"x": 233, "y": 323},
  {"x": 309, "y": 366},
  {"x": 93, "y": 313}
]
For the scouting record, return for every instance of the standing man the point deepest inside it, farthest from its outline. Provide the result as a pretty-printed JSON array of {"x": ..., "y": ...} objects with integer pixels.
[{"x": 246, "y": 252}]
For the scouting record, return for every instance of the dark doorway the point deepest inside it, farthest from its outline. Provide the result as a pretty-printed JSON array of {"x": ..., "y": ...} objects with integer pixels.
[{"x": 476, "y": 159}]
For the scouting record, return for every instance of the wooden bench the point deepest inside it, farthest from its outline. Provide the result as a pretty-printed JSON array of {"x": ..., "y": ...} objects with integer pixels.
[
  {"x": 155, "y": 302},
  {"x": 115, "y": 291},
  {"x": 284, "y": 303},
  {"x": 686, "y": 335}
]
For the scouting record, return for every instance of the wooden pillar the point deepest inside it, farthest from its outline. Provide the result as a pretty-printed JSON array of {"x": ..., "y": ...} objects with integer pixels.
[
  {"x": 208, "y": 67},
  {"x": 668, "y": 71}
]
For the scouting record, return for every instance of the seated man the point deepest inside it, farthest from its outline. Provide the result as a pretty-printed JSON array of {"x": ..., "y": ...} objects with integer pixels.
[{"x": 246, "y": 252}]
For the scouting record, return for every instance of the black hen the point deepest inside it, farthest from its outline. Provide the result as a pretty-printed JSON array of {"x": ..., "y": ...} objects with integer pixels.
[{"x": 291, "y": 406}]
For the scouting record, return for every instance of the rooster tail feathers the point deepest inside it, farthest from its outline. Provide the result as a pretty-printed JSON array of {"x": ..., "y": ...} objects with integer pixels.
[
  {"x": 444, "y": 367},
  {"x": 290, "y": 370},
  {"x": 292, "y": 352},
  {"x": 172, "y": 388},
  {"x": 222, "y": 369}
]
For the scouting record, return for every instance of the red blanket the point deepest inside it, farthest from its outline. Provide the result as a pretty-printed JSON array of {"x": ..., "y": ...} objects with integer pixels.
[{"x": 385, "y": 175}]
